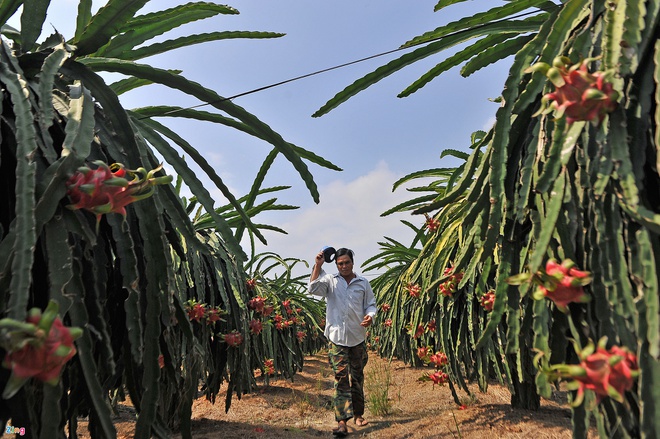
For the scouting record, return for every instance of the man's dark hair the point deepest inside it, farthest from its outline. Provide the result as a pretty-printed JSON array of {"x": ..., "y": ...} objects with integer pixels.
[{"x": 344, "y": 251}]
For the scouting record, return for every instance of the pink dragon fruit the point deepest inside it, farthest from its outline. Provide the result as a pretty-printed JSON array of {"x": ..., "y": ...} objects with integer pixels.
[
  {"x": 488, "y": 300},
  {"x": 38, "y": 348},
  {"x": 269, "y": 367},
  {"x": 563, "y": 283},
  {"x": 449, "y": 287},
  {"x": 438, "y": 377},
  {"x": 606, "y": 372},
  {"x": 414, "y": 290},
  {"x": 439, "y": 359},
  {"x": 256, "y": 326},
  {"x": 579, "y": 95},
  {"x": 431, "y": 224},
  {"x": 233, "y": 338},
  {"x": 111, "y": 188}
]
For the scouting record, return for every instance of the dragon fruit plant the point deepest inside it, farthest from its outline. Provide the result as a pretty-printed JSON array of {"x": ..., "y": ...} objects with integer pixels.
[
  {"x": 577, "y": 183},
  {"x": 128, "y": 279}
]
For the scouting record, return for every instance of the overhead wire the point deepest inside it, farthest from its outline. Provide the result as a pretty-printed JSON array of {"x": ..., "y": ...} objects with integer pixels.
[{"x": 328, "y": 69}]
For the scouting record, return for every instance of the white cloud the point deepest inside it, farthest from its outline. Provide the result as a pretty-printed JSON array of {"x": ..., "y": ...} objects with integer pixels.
[
  {"x": 489, "y": 123},
  {"x": 347, "y": 216}
]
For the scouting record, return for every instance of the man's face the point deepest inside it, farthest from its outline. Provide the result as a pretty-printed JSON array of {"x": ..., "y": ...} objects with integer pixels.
[{"x": 344, "y": 265}]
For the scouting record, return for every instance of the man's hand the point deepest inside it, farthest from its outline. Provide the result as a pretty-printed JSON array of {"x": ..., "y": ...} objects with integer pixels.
[
  {"x": 318, "y": 263},
  {"x": 367, "y": 321}
]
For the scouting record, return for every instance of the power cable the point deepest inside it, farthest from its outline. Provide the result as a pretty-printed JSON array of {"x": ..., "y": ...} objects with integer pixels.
[{"x": 339, "y": 66}]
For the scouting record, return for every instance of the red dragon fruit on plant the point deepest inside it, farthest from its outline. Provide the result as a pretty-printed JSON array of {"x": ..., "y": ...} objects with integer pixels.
[
  {"x": 431, "y": 224},
  {"x": 449, "y": 287},
  {"x": 256, "y": 326},
  {"x": 438, "y": 377},
  {"x": 196, "y": 310},
  {"x": 579, "y": 94},
  {"x": 414, "y": 290},
  {"x": 415, "y": 331},
  {"x": 606, "y": 372},
  {"x": 561, "y": 283},
  {"x": 287, "y": 306},
  {"x": 488, "y": 300},
  {"x": 233, "y": 338},
  {"x": 257, "y": 303},
  {"x": 269, "y": 366},
  {"x": 423, "y": 353},
  {"x": 213, "y": 315},
  {"x": 385, "y": 307},
  {"x": 111, "y": 188},
  {"x": 420, "y": 330},
  {"x": 439, "y": 359},
  {"x": 37, "y": 348}
]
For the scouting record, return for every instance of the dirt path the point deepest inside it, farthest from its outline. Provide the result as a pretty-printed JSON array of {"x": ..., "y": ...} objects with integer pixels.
[{"x": 301, "y": 409}]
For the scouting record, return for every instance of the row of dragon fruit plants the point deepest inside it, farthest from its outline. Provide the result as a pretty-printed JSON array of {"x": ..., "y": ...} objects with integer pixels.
[
  {"x": 282, "y": 318},
  {"x": 537, "y": 266},
  {"x": 110, "y": 286},
  {"x": 472, "y": 320}
]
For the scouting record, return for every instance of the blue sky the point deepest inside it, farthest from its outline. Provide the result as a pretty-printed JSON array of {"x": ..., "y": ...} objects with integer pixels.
[{"x": 375, "y": 137}]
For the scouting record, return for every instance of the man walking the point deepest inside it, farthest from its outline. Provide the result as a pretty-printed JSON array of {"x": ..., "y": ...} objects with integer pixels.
[{"x": 350, "y": 309}]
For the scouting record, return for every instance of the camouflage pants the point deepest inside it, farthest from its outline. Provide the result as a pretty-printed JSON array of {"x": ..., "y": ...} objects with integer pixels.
[{"x": 348, "y": 366}]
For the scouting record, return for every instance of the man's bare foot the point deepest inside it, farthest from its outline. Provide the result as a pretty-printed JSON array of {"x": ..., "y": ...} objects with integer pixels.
[
  {"x": 341, "y": 430},
  {"x": 360, "y": 421}
]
